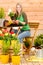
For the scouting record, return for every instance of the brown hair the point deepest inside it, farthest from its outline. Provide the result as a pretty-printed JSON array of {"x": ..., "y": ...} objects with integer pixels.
[{"x": 16, "y": 7}]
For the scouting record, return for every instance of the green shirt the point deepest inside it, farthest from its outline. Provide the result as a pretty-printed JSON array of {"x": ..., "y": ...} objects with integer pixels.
[{"x": 23, "y": 18}]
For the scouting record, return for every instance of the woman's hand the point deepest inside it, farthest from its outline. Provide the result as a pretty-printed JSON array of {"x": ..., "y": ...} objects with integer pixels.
[
  {"x": 13, "y": 21},
  {"x": 17, "y": 22}
]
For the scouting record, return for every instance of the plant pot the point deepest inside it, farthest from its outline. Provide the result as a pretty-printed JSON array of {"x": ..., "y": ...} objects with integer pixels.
[
  {"x": 12, "y": 18},
  {"x": 4, "y": 59},
  {"x": 15, "y": 59},
  {"x": 1, "y": 42},
  {"x": 27, "y": 45},
  {"x": 1, "y": 22},
  {"x": 39, "y": 53}
]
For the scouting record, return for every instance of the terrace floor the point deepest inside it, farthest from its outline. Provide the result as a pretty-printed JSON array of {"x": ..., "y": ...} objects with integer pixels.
[
  {"x": 24, "y": 62},
  {"x": 29, "y": 63}
]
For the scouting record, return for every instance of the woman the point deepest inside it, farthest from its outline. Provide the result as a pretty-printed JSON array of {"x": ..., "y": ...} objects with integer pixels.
[{"x": 21, "y": 19}]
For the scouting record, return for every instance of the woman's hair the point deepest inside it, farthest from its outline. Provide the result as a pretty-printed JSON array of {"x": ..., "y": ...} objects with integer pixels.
[
  {"x": 5, "y": 21},
  {"x": 16, "y": 7}
]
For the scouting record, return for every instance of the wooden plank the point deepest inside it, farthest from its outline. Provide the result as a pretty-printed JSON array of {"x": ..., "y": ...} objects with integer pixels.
[
  {"x": 33, "y": 24},
  {"x": 28, "y": 63},
  {"x": 40, "y": 63}
]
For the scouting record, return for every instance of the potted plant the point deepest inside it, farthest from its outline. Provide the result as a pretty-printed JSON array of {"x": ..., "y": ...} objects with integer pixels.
[
  {"x": 5, "y": 50},
  {"x": 27, "y": 45},
  {"x": 2, "y": 16},
  {"x": 38, "y": 43},
  {"x": 11, "y": 14},
  {"x": 16, "y": 50}
]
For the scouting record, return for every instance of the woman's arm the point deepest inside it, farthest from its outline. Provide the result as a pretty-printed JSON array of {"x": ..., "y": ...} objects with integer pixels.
[
  {"x": 17, "y": 22},
  {"x": 23, "y": 23},
  {"x": 25, "y": 19}
]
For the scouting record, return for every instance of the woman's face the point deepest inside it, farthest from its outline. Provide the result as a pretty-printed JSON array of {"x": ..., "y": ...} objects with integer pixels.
[{"x": 18, "y": 8}]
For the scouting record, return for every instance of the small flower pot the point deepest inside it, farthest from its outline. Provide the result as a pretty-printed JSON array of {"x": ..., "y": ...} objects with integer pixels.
[
  {"x": 4, "y": 59},
  {"x": 39, "y": 53},
  {"x": 1, "y": 22},
  {"x": 15, "y": 59}
]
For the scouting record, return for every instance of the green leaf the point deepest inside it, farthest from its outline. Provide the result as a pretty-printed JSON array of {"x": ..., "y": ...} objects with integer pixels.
[
  {"x": 16, "y": 48},
  {"x": 11, "y": 14}
]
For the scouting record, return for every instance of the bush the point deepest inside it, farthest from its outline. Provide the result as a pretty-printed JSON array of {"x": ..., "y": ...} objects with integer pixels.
[
  {"x": 2, "y": 13},
  {"x": 38, "y": 41}
]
